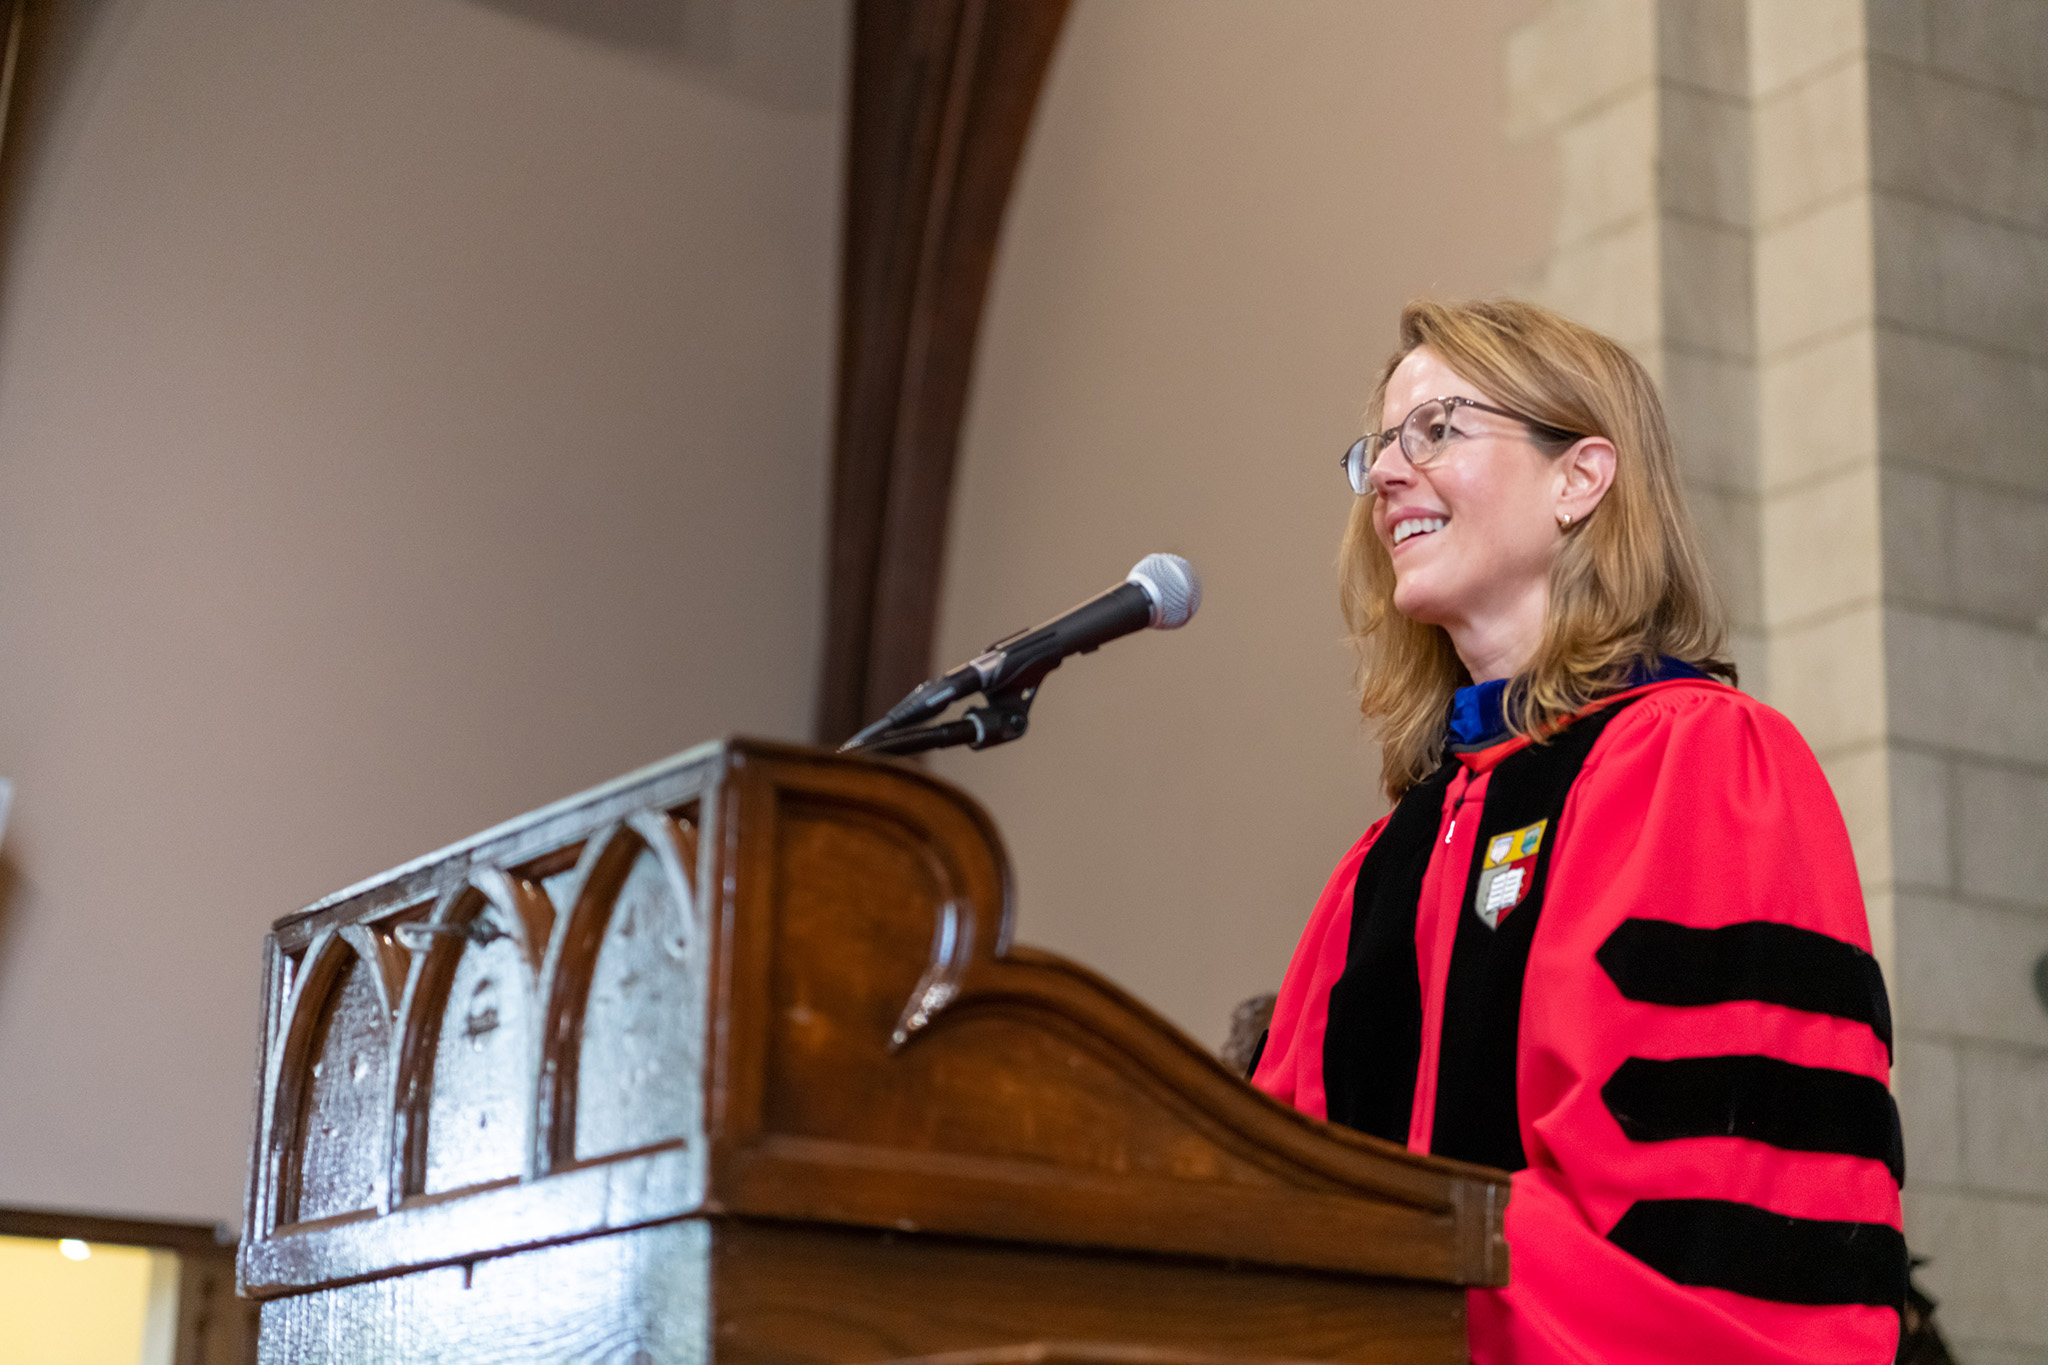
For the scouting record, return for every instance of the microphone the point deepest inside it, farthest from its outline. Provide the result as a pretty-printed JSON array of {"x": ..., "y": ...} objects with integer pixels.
[{"x": 1161, "y": 591}]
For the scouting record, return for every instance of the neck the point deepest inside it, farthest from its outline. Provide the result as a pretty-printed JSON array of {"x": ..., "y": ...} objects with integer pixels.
[{"x": 1500, "y": 643}]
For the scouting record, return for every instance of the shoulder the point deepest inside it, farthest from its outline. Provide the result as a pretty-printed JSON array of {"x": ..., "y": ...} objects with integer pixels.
[
  {"x": 1697, "y": 776},
  {"x": 1705, "y": 726},
  {"x": 1699, "y": 763},
  {"x": 1700, "y": 700}
]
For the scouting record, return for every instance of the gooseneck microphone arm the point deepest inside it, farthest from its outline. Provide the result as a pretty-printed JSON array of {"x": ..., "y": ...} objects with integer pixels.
[{"x": 1161, "y": 592}]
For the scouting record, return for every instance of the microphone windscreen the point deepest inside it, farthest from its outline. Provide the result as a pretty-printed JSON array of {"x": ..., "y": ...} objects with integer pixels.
[{"x": 1171, "y": 583}]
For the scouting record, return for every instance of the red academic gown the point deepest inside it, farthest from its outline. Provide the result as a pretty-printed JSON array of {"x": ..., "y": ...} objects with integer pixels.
[{"x": 1706, "y": 1160}]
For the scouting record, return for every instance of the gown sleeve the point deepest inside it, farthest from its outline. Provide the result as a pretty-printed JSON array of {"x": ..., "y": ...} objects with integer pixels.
[
  {"x": 1714, "y": 1161},
  {"x": 1290, "y": 1067}
]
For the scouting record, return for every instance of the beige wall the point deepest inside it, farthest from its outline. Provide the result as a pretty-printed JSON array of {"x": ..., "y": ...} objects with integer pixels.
[
  {"x": 409, "y": 413},
  {"x": 1221, "y": 210}
]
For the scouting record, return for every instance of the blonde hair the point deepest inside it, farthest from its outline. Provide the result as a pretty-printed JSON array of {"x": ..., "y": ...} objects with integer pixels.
[{"x": 1628, "y": 585}]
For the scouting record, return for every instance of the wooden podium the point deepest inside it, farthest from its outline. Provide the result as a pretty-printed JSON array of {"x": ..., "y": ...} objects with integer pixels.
[{"x": 732, "y": 1060}]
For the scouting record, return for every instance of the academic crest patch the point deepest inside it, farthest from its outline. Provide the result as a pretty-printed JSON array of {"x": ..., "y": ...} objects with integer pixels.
[{"x": 1505, "y": 874}]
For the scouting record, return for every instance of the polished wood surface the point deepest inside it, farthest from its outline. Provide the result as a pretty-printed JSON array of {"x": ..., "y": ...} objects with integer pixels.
[
  {"x": 943, "y": 92},
  {"x": 760, "y": 1004}
]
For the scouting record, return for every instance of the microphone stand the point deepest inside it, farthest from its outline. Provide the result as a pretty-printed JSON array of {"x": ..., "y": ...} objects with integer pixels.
[{"x": 1005, "y": 718}]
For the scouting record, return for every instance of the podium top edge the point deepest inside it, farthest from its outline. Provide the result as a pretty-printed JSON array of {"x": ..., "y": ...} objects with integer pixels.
[{"x": 650, "y": 775}]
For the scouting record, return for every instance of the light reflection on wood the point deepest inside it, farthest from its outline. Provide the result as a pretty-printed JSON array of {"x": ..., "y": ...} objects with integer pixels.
[
  {"x": 640, "y": 1029},
  {"x": 345, "y": 1099}
]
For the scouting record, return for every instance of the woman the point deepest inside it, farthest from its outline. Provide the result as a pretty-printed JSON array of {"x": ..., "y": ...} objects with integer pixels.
[{"x": 1611, "y": 936}]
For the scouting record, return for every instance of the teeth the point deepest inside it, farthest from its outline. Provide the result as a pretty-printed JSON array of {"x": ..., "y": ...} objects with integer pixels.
[{"x": 1418, "y": 526}]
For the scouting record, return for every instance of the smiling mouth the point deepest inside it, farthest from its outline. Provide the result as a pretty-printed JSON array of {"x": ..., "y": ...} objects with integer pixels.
[{"x": 1418, "y": 526}]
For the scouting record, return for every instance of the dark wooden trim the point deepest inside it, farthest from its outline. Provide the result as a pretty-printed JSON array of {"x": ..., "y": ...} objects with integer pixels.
[
  {"x": 943, "y": 92},
  {"x": 128, "y": 1232}
]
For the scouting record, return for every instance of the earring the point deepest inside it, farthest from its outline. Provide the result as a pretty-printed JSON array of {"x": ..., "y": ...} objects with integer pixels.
[{"x": 1564, "y": 520}]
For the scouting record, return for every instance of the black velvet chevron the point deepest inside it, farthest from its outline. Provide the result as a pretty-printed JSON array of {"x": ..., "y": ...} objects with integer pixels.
[
  {"x": 1372, "y": 1042},
  {"x": 1477, "y": 1115},
  {"x": 1716, "y": 1244},
  {"x": 1661, "y": 963},
  {"x": 1764, "y": 1099}
]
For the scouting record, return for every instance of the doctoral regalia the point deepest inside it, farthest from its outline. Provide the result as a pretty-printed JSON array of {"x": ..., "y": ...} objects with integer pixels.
[{"x": 1630, "y": 964}]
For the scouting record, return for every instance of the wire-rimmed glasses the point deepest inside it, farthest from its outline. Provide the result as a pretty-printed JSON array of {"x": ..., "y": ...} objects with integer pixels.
[{"x": 1425, "y": 433}]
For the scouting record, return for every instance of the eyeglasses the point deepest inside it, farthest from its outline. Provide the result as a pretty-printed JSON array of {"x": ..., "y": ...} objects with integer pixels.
[{"x": 1426, "y": 433}]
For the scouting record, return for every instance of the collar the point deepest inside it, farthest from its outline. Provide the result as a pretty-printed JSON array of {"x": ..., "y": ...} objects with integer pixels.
[{"x": 1477, "y": 717}]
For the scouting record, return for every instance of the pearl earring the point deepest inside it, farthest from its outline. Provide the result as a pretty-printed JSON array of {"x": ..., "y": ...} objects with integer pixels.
[{"x": 1564, "y": 520}]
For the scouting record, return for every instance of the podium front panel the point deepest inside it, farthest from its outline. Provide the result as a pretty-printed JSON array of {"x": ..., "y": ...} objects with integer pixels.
[{"x": 754, "y": 1010}]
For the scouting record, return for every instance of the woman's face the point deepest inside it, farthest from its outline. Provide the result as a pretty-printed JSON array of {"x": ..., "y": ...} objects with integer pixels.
[{"x": 1471, "y": 533}]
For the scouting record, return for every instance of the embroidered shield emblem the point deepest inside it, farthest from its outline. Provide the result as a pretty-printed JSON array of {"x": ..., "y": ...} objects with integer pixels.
[{"x": 1505, "y": 872}]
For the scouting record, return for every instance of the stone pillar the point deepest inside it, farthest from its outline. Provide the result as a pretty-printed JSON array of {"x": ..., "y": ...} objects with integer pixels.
[
  {"x": 1824, "y": 225},
  {"x": 1821, "y": 569},
  {"x": 1648, "y": 108},
  {"x": 1958, "y": 176}
]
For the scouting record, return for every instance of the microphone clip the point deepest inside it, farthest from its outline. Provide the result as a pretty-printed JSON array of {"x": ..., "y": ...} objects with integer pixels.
[{"x": 1006, "y": 716}]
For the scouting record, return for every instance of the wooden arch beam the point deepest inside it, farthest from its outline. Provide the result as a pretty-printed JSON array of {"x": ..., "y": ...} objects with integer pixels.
[{"x": 943, "y": 93}]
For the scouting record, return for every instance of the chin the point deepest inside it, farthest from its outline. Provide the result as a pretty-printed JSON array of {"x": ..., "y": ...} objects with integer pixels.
[{"x": 1415, "y": 601}]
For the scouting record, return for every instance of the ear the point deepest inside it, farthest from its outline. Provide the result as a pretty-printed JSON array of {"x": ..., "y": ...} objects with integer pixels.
[{"x": 1584, "y": 474}]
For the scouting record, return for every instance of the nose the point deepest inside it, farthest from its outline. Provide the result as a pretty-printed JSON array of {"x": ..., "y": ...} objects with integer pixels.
[{"x": 1390, "y": 469}]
